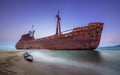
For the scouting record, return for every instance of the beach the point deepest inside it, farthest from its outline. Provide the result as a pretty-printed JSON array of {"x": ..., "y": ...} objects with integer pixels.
[{"x": 47, "y": 62}]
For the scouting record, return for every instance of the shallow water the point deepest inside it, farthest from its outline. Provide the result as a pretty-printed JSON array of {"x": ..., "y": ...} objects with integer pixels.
[
  {"x": 78, "y": 62},
  {"x": 73, "y": 62}
]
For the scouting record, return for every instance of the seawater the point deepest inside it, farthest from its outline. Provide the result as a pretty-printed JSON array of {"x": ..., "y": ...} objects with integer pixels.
[{"x": 75, "y": 62}]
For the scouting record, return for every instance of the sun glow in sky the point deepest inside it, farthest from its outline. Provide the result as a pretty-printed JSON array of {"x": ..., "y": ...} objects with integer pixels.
[{"x": 17, "y": 17}]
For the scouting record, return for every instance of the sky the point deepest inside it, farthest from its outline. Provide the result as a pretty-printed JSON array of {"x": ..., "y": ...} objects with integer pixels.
[{"x": 18, "y": 16}]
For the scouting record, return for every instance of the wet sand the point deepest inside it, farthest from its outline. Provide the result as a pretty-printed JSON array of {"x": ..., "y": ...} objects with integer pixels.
[{"x": 13, "y": 63}]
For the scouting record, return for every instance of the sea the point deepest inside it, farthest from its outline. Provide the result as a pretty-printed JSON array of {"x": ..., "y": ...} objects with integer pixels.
[{"x": 102, "y": 61}]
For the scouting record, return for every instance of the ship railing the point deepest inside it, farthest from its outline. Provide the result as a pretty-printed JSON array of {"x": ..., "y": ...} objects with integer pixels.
[
  {"x": 67, "y": 31},
  {"x": 75, "y": 28}
]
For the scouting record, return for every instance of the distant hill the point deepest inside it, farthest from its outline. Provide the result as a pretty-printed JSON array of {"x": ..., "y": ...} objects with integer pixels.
[{"x": 117, "y": 47}]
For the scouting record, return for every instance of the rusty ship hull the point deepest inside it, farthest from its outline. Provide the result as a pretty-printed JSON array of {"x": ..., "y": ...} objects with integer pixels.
[{"x": 80, "y": 38}]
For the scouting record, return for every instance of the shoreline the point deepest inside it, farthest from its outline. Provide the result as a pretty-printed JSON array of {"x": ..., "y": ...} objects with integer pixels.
[
  {"x": 57, "y": 63},
  {"x": 17, "y": 65}
]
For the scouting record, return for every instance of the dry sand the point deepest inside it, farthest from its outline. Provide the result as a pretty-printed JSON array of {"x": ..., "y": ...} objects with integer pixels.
[{"x": 13, "y": 63}]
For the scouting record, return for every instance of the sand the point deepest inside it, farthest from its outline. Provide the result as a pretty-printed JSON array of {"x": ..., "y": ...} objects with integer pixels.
[{"x": 7, "y": 59}]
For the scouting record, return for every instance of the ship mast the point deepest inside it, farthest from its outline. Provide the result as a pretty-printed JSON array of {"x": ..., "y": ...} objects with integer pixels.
[
  {"x": 31, "y": 32},
  {"x": 58, "y": 28},
  {"x": 32, "y": 28}
]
